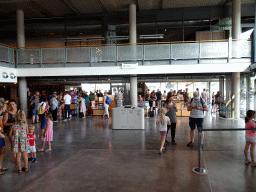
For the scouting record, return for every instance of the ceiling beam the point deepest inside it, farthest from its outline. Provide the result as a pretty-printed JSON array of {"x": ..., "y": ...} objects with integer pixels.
[
  {"x": 45, "y": 12},
  {"x": 103, "y": 6},
  {"x": 67, "y": 4}
]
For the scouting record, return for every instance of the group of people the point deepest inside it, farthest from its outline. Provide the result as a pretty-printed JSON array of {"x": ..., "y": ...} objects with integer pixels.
[
  {"x": 167, "y": 118},
  {"x": 14, "y": 126}
]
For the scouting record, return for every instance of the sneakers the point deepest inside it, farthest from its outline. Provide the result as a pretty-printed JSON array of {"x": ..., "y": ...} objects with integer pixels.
[
  {"x": 65, "y": 120},
  {"x": 30, "y": 159},
  {"x": 34, "y": 160},
  {"x": 190, "y": 144},
  {"x": 55, "y": 121}
]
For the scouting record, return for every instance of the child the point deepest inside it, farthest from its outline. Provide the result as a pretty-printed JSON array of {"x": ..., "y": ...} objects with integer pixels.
[
  {"x": 31, "y": 138},
  {"x": 47, "y": 135},
  {"x": 162, "y": 123},
  {"x": 250, "y": 136},
  {"x": 20, "y": 144}
]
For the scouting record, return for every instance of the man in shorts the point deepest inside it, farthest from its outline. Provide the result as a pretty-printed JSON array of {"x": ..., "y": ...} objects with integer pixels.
[{"x": 197, "y": 106}]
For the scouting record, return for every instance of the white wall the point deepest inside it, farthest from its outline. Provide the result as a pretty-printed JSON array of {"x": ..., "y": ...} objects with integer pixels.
[{"x": 8, "y": 71}]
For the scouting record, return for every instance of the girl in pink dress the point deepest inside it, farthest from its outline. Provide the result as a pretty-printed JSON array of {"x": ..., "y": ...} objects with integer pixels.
[
  {"x": 250, "y": 137},
  {"x": 48, "y": 133}
]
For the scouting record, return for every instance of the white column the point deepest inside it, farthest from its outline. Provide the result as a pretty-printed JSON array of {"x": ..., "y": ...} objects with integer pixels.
[
  {"x": 132, "y": 24},
  {"x": 235, "y": 95},
  {"x": 133, "y": 39},
  {"x": 236, "y": 31},
  {"x": 133, "y": 92},
  {"x": 20, "y": 29},
  {"x": 23, "y": 94},
  {"x": 236, "y": 19}
]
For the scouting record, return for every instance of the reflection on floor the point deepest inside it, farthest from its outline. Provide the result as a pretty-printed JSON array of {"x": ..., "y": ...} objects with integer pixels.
[{"x": 89, "y": 156}]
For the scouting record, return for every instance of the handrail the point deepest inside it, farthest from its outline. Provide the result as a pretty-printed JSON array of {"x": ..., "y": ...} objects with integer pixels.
[{"x": 123, "y": 44}]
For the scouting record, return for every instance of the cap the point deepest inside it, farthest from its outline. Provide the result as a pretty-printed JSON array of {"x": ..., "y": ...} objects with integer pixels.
[
  {"x": 196, "y": 95},
  {"x": 2, "y": 100}
]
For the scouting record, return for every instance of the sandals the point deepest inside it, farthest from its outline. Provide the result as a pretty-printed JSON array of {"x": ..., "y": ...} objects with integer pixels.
[
  {"x": 247, "y": 161},
  {"x": 190, "y": 144},
  {"x": 2, "y": 173},
  {"x": 40, "y": 150},
  {"x": 19, "y": 171},
  {"x": 4, "y": 169},
  {"x": 24, "y": 169},
  {"x": 48, "y": 150}
]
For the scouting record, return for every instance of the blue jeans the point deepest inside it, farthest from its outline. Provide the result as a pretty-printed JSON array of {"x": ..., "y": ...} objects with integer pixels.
[{"x": 67, "y": 111}]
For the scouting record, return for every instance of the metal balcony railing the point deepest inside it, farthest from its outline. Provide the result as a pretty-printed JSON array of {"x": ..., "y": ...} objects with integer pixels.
[{"x": 129, "y": 52}]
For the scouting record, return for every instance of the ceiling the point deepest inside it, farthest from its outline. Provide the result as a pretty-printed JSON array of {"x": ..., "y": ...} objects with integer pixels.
[{"x": 65, "y": 8}]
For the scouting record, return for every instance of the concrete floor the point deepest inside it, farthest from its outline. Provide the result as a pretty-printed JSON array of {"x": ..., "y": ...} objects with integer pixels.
[{"x": 89, "y": 156}]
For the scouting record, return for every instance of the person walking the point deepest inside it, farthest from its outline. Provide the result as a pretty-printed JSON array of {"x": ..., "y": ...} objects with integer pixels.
[
  {"x": 197, "y": 106},
  {"x": 162, "y": 122},
  {"x": 67, "y": 99},
  {"x": 54, "y": 107},
  {"x": 106, "y": 105},
  {"x": 82, "y": 106},
  {"x": 2, "y": 142},
  {"x": 158, "y": 100},
  {"x": 171, "y": 113}
]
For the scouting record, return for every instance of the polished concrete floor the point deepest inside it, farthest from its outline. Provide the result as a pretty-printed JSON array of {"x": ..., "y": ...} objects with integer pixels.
[{"x": 88, "y": 155}]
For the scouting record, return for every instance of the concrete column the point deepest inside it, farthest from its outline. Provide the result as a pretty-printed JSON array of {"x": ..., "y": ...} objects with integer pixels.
[
  {"x": 236, "y": 19},
  {"x": 20, "y": 29},
  {"x": 235, "y": 95},
  {"x": 133, "y": 39},
  {"x": 23, "y": 94},
  {"x": 236, "y": 31},
  {"x": 133, "y": 92},
  {"x": 132, "y": 24}
]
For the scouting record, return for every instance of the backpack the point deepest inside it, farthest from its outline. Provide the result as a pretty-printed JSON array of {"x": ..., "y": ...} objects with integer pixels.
[
  {"x": 108, "y": 100},
  {"x": 41, "y": 109},
  {"x": 54, "y": 102}
]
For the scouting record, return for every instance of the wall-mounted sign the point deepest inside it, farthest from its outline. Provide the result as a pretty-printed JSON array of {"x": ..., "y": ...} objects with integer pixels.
[{"x": 130, "y": 66}]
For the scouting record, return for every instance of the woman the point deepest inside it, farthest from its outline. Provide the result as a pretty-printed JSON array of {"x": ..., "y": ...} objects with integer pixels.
[
  {"x": 82, "y": 106},
  {"x": 54, "y": 107},
  {"x": 9, "y": 119},
  {"x": 152, "y": 101},
  {"x": 171, "y": 113},
  {"x": 34, "y": 106}
]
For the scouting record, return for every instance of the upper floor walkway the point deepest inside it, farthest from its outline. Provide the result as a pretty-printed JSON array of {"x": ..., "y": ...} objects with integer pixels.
[{"x": 154, "y": 58}]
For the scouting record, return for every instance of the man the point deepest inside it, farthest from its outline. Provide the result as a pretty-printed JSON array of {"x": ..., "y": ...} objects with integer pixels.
[
  {"x": 204, "y": 95},
  {"x": 158, "y": 100},
  {"x": 99, "y": 94},
  {"x": 164, "y": 95},
  {"x": 186, "y": 97},
  {"x": 67, "y": 99},
  {"x": 197, "y": 106}
]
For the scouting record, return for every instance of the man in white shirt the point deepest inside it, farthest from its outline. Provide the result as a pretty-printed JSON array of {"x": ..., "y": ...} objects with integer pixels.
[
  {"x": 67, "y": 99},
  {"x": 197, "y": 106}
]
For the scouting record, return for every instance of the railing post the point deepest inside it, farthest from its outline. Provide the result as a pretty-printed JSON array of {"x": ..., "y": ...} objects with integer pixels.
[
  {"x": 199, "y": 52},
  {"x": 199, "y": 170},
  {"x": 41, "y": 58},
  {"x": 65, "y": 56}
]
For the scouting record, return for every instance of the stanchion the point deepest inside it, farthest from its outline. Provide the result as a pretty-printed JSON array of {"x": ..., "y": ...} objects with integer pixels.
[{"x": 199, "y": 170}]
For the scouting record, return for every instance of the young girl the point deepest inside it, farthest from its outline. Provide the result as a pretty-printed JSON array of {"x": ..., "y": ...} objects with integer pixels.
[
  {"x": 172, "y": 109},
  {"x": 250, "y": 137},
  {"x": 31, "y": 139},
  {"x": 162, "y": 123},
  {"x": 48, "y": 133},
  {"x": 20, "y": 145}
]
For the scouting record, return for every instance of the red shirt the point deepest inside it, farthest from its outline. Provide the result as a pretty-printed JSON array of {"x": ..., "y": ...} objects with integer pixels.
[{"x": 31, "y": 139}]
